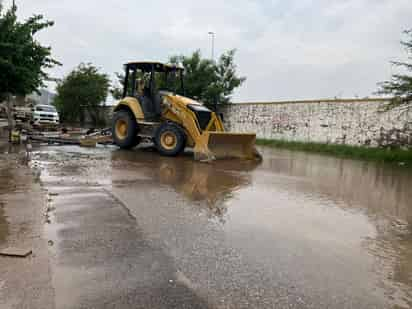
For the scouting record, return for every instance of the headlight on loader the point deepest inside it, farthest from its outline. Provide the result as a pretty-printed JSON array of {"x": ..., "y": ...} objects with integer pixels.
[{"x": 203, "y": 114}]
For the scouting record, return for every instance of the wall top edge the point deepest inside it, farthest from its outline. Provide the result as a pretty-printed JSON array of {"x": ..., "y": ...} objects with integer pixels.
[{"x": 315, "y": 101}]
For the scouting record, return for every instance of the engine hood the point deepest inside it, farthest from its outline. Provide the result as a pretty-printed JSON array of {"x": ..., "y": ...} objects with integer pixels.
[{"x": 175, "y": 97}]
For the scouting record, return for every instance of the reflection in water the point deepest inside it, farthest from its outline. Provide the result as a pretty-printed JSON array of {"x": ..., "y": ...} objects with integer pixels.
[
  {"x": 210, "y": 183},
  {"x": 380, "y": 191},
  {"x": 376, "y": 189}
]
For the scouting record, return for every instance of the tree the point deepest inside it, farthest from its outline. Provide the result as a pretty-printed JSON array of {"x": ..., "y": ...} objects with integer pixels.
[
  {"x": 210, "y": 82},
  {"x": 199, "y": 76},
  {"x": 227, "y": 81},
  {"x": 400, "y": 85},
  {"x": 23, "y": 60},
  {"x": 83, "y": 90}
]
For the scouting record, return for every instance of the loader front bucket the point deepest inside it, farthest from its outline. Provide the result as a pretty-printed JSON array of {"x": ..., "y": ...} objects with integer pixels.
[{"x": 223, "y": 145}]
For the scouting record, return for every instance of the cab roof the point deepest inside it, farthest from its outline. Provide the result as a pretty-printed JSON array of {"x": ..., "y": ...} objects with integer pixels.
[{"x": 146, "y": 66}]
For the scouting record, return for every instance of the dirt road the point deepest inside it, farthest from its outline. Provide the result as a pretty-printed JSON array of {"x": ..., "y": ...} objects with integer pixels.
[{"x": 131, "y": 229}]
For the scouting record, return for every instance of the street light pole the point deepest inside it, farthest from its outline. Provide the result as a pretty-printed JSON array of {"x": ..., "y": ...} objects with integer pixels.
[
  {"x": 213, "y": 44},
  {"x": 213, "y": 61}
]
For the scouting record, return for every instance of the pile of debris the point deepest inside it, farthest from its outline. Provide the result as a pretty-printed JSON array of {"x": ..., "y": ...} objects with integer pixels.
[{"x": 65, "y": 136}]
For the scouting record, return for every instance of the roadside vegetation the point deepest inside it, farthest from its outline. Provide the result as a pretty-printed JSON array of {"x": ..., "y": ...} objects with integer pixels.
[
  {"x": 393, "y": 155},
  {"x": 23, "y": 60},
  {"x": 211, "y": 82},
  {"x": 400, "y": 85},
  {"x": 82, "y": 91}
]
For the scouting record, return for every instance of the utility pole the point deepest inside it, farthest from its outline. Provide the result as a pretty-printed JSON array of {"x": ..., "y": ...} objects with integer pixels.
[
  {"x": 213, "y": 44},
  {"x": 212, "y": 34}
]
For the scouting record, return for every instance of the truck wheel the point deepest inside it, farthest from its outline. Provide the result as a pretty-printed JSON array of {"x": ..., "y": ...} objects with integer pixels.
[
  {"x": 124, "y": 130},
  {"x": 170, "y": 139}
]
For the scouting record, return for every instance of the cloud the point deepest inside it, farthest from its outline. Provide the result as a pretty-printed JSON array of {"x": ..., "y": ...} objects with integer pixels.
[{"x": 287, "y": 49}]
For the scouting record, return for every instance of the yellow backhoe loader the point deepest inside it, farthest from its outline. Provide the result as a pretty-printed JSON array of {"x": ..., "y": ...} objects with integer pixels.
[{"x": 154, "y": 107}]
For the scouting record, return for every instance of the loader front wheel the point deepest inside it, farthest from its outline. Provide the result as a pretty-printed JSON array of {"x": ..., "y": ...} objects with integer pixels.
[
  {"x": 170, "y": 139},
  {"x": 124, "y": 130}
]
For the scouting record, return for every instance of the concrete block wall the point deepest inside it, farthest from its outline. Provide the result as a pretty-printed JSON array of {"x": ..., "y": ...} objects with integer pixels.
[{"x": 359, "y": 122}]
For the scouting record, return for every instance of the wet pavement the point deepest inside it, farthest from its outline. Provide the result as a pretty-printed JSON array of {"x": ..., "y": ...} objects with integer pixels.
[
  {"x": 131, "y": 229},
  {"x": 24, "y": 282}
]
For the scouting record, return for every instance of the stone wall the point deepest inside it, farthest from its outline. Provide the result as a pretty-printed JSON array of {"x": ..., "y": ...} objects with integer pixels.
[{"x": 357, "y": 122}]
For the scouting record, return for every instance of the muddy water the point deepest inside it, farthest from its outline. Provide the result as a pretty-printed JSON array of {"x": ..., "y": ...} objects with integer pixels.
[
  {"x": 353, "y": 218},
  {"x": 299, "y": 229}
]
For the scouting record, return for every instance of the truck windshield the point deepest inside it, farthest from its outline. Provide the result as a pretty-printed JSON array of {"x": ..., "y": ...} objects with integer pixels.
[{"x": 50, "y": 109}]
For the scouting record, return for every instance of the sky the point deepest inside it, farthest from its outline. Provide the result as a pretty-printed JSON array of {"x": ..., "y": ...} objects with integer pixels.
[{"x": 287, "y": 49}]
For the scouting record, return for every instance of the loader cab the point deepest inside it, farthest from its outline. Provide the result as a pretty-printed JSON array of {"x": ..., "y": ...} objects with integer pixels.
[{"x": 148, "y": 81}]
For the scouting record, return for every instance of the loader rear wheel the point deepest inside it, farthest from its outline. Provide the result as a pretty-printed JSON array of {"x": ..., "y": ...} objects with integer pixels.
[
  {"x": 170, "y": 139},
  {"x": 124, "y": 130}
]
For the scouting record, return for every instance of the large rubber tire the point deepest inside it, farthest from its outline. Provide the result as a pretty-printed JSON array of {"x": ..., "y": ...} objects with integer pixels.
[
  {"x": 170, "y": 139},
  {"x": 124, "y": 130}
]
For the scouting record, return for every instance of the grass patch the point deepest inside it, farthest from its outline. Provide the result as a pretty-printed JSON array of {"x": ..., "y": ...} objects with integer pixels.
[{"x": 355, "y": 152}]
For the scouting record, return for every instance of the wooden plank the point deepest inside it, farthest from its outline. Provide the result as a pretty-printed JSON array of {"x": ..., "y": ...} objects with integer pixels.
[
  {"x": 16, "y": 252},
  {"x": 56, "y": 140}
]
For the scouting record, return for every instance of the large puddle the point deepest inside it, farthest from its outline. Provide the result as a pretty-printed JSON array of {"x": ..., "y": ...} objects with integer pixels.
[{"x": 323, "y": 225}]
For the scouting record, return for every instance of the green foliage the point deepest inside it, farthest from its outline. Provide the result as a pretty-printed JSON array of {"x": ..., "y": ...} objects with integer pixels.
[
  {"x": 83, "y": 90},
  {"x": 363, "y": 153},
  {"x": 227, "y": 80},
  {"x": 400, "y": 85},
  {"x": 204, "y": 79},
  {"x": 22, "y": 58},
  {"x": 210, "y": 82},
  {"x": 199, "y": 76}
]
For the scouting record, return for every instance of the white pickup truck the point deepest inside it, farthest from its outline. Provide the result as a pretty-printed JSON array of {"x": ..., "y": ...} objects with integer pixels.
[{"x": 45, "y": 114}]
